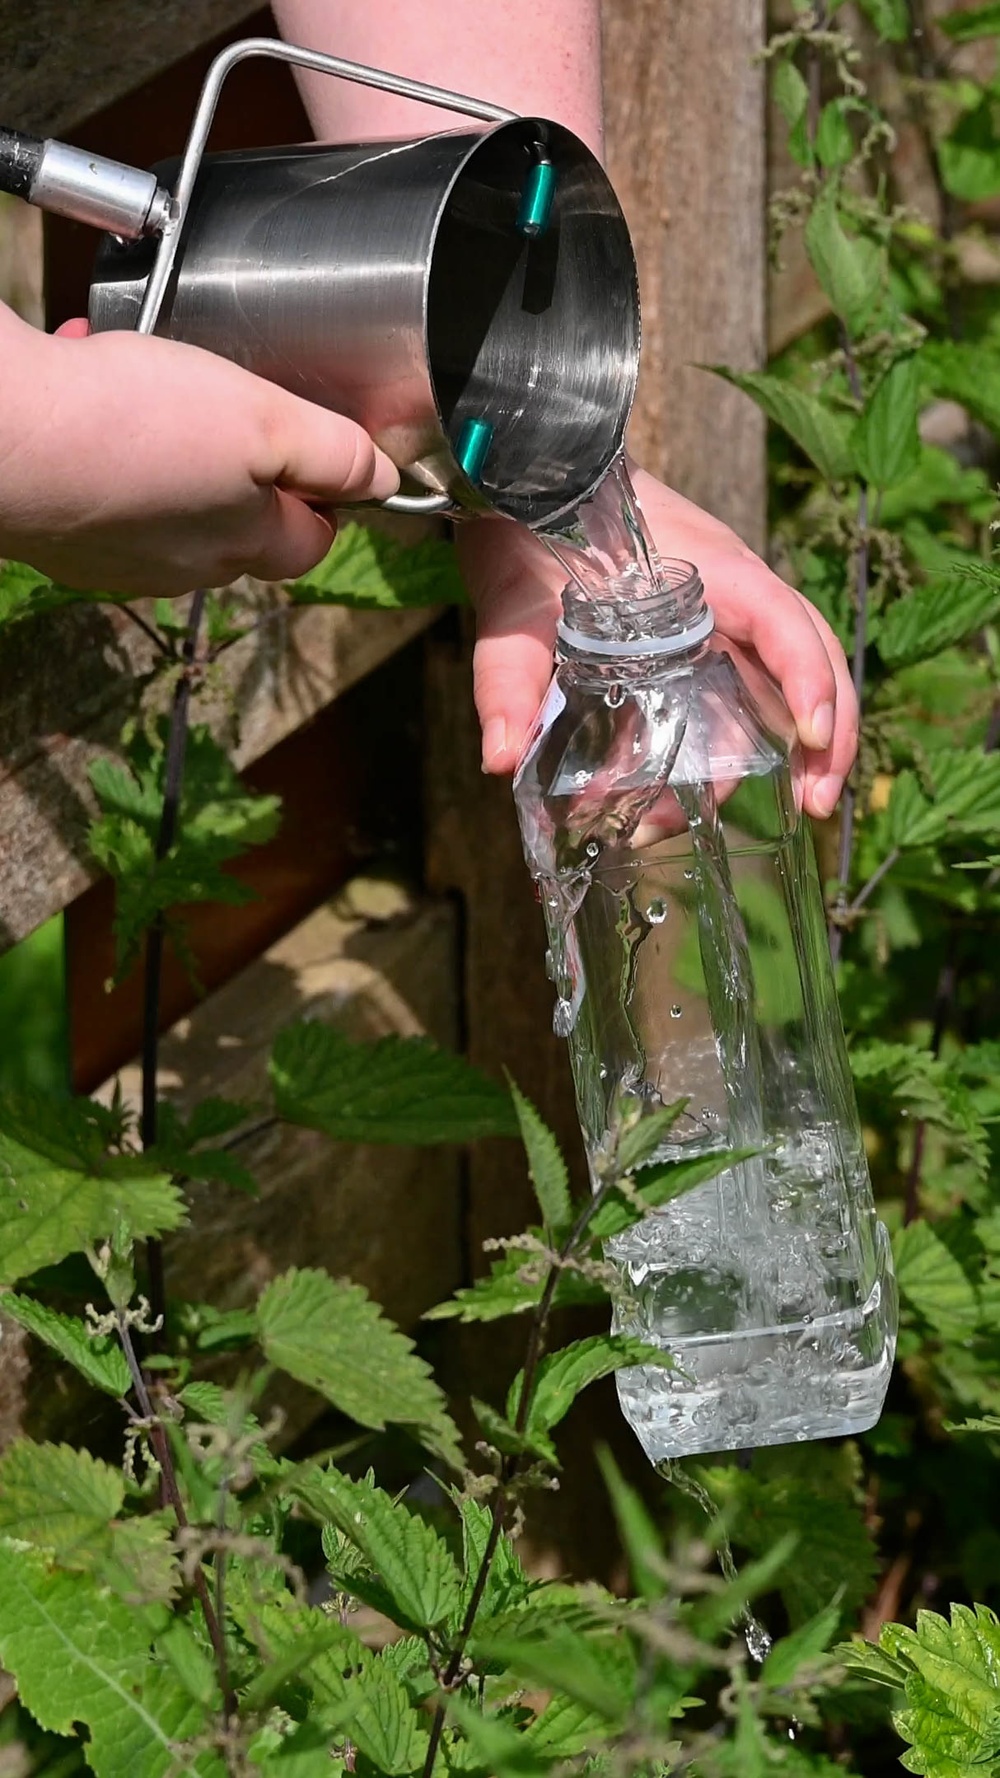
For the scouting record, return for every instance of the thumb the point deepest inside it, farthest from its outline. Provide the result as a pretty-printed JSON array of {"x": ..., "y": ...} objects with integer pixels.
[{"x": 323, "y": 456}]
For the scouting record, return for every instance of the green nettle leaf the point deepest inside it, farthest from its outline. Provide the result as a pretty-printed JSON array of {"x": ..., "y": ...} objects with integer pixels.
[
  {"x": 851, "y": 269},
  {"x": 494, "y": 1744},
  {"x": 381, "y": 1720},
  {"x": 597, "y": 1671},
  {"x": 966, "y": 800},
  {"x": 937, "y": 615},
  {"x": 970, "y": 157},
  {"x": 818, "y": 430},
  {"x": 48, "y": 1211},
  {"x": 657, "y": 1185},
  {"x": 24, "y": 592},
  {"x": 56, "y": 1497},
  {"x": 890, "y": 18},
  {"x": 952, "y": 1714},
  {"x": 73, "y": 1650},
  {"x": 979, "y": 21},
  {"x": 930, "y": 1088},
  {"x": 886, "y": 441},
  {"x": 791, "y": 91},
  {"x": 369, "y": 571},
  {"x": 966, "y": 373},
  {"x": 99, "y": 1359},
  {"x": 329, "y": 1335},
  {"x": 218, "y": 820},
  {"x": 507, "y": 1585},
  {"x": 639, "y": 1535},
  {"x": 834, "y": 141},
  {"x": 179, "y": 1143},
  {"x": 414, "y": 1564},
  {"x": 503, "y": 1435},
  {"x": 400, "y": 1089},
  {"x": 563, "y": 1375},
  {"x": 545, "y": 1164},
  {"x": 932, "y": 1280}
]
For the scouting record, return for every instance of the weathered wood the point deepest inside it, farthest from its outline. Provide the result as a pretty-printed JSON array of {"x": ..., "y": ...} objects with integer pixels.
[
  {"x": 61, "y": 60},
  {"x": 684, "y": 103},
  {"x": 376, "y": 962},
  {"x": 70, "y": 679}
]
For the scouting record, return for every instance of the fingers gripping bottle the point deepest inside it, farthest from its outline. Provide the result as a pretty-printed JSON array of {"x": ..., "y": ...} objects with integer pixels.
[{"x": 659, "y": 802}]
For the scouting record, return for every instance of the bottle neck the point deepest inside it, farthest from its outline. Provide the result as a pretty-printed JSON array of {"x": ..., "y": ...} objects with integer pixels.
[{"x": 617, "y": 626}]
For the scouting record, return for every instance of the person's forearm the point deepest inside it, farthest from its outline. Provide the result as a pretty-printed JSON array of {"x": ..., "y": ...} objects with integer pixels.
[{"x": 535, "y": 59}]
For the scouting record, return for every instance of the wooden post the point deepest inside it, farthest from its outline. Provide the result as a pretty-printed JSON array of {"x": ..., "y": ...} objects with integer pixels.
[{"x": 684, "y": 105}]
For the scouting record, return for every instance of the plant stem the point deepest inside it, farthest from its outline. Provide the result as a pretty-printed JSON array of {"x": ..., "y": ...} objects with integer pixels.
[
  {"x": 173, "y": 777},
  {"x": 147, "y": 629},
  {"x": 874, "y": 880},
  {"x": 164, "y": 1457},
  {"x": 510, "y": 1466}
]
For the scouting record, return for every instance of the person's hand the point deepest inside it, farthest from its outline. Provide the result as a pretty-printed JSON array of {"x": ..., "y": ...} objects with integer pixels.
[
  {"x": 516, "y": 584},
  {"x": 143, "y": 466}
]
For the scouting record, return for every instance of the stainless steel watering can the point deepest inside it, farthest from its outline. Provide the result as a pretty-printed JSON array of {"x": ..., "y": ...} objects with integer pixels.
[{"x": 470, "y": 298}]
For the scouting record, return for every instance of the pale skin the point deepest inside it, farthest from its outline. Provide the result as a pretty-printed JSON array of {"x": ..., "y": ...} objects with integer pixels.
[{"x": 141, "y": 466}]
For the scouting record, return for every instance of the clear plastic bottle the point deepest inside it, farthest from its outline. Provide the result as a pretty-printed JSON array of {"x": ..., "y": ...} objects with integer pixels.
[{"x": 660, "y": 812}]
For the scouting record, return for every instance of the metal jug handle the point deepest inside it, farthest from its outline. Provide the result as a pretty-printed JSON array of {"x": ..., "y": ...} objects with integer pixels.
[{"x": 194, "y": 149}]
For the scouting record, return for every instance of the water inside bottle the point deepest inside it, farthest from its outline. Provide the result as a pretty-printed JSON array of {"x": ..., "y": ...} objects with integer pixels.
[{"x": 754, "y": 1281}]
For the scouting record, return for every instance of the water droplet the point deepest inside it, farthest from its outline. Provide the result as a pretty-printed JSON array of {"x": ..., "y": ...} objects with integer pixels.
[
  {"x": 676, "y": 1012},
  {"x": 581, "y": 780},
  {"x": 551, "y": 968},
  {"x": 757, "y": 1639},
  {"x": 689, "y": 876},
  {"x": 656, "y": 912},
  {"x": 614, "y": 697},
  {"x": 602, "y": 1073},
  {"x": 563, "y": 1018},
  {"x": 593, "y": 849}
]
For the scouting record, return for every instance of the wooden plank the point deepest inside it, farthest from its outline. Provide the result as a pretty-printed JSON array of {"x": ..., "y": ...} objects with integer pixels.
[
  {"x": 684, "y": 103},
  {"x": 70, "y": 681},
  {"x": 61, "y": 60}
]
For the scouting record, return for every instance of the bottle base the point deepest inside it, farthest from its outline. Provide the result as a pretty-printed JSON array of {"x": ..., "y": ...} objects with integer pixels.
[{"x": 775, "y": 1386}]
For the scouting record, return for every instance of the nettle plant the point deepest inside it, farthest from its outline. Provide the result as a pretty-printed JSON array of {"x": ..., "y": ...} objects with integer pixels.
[{"x": 207, "y": 1602}]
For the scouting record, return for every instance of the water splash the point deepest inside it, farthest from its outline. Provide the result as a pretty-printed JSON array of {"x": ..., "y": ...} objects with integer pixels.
[{"x": 759, "y": 1642}]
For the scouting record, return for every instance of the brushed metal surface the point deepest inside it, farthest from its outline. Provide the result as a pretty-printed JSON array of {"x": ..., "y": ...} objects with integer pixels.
[{"x": 388, "y": 281}]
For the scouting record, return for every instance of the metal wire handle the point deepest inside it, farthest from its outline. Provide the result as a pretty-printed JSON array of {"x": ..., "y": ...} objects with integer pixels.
[{"x": 194, "y": 149}]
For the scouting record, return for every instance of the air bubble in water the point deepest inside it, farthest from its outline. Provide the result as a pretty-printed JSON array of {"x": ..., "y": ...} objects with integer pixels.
[
  {"x": 614, "y": 697},
  {"x": 689, "y": 876},
  {"x": 656, "y": 912},
  {"x": 551, "y": 967},
  {"x": 563, "y": 1018},
  {"x": 593, "y": 848},
  {"x": 676, "y": 1012}
]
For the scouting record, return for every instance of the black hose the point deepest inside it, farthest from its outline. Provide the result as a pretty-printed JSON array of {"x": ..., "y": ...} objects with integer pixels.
[{"x": 20, "y": 159}]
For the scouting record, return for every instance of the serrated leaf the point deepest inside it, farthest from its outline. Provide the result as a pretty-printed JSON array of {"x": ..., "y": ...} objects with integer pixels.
[
  {"x": 791, "y": 92},
  {"x": 952, "y": 1714},
  {"x": 218, "y": 820},
  {"x": 56, "y": 1497},
  {"x": 74, "y": 1652},
  {"x": 180, "y": 1648},
  {"x": 834, "y": 142},
  {"x": 563, "y": 1375},
  {"x": 100, "y": 1359},
  {"x": 851, "y": 270},
  {"x": 546, "y": 1166},
  {"x": 978, "y": 21},
  {"x": 48, "y": 1211},
  {"x": 819, "y": 431},
  {"x": 817, "y": 1507},
  {"x": 24, "y": 592},
  {"x": 656, "y": 1186},
  {"x": 969, "y": 158},
  {"x": 414, "y": 1564},
  {"x": 639, "y": 1140},
  {"x": 382, "y": 1722},
  {"x": 501, "y": 1750},
  {"x": 936, "y": 615},
  {"x": 966, "y": 799},
  {"x": 966, "y": 373},
  {"x": 179, "y": 1143},
  {"x": 400, "y": 1089},
  {"x": 330, "y": 1335},
  {"x": 885, "y": 441},
  {"x": 565, "y": 1728},
  {"x": 507, "y": 1585},
  {"x": 889, "y": 17},
  {"x": 367, "y": 570},
  {"x": 932, "y": 1280},
  {"x": 514, "y": 1283}
]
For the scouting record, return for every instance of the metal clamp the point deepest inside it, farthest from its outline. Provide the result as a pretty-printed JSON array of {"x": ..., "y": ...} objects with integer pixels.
[{"x": 194, "y": 149}]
